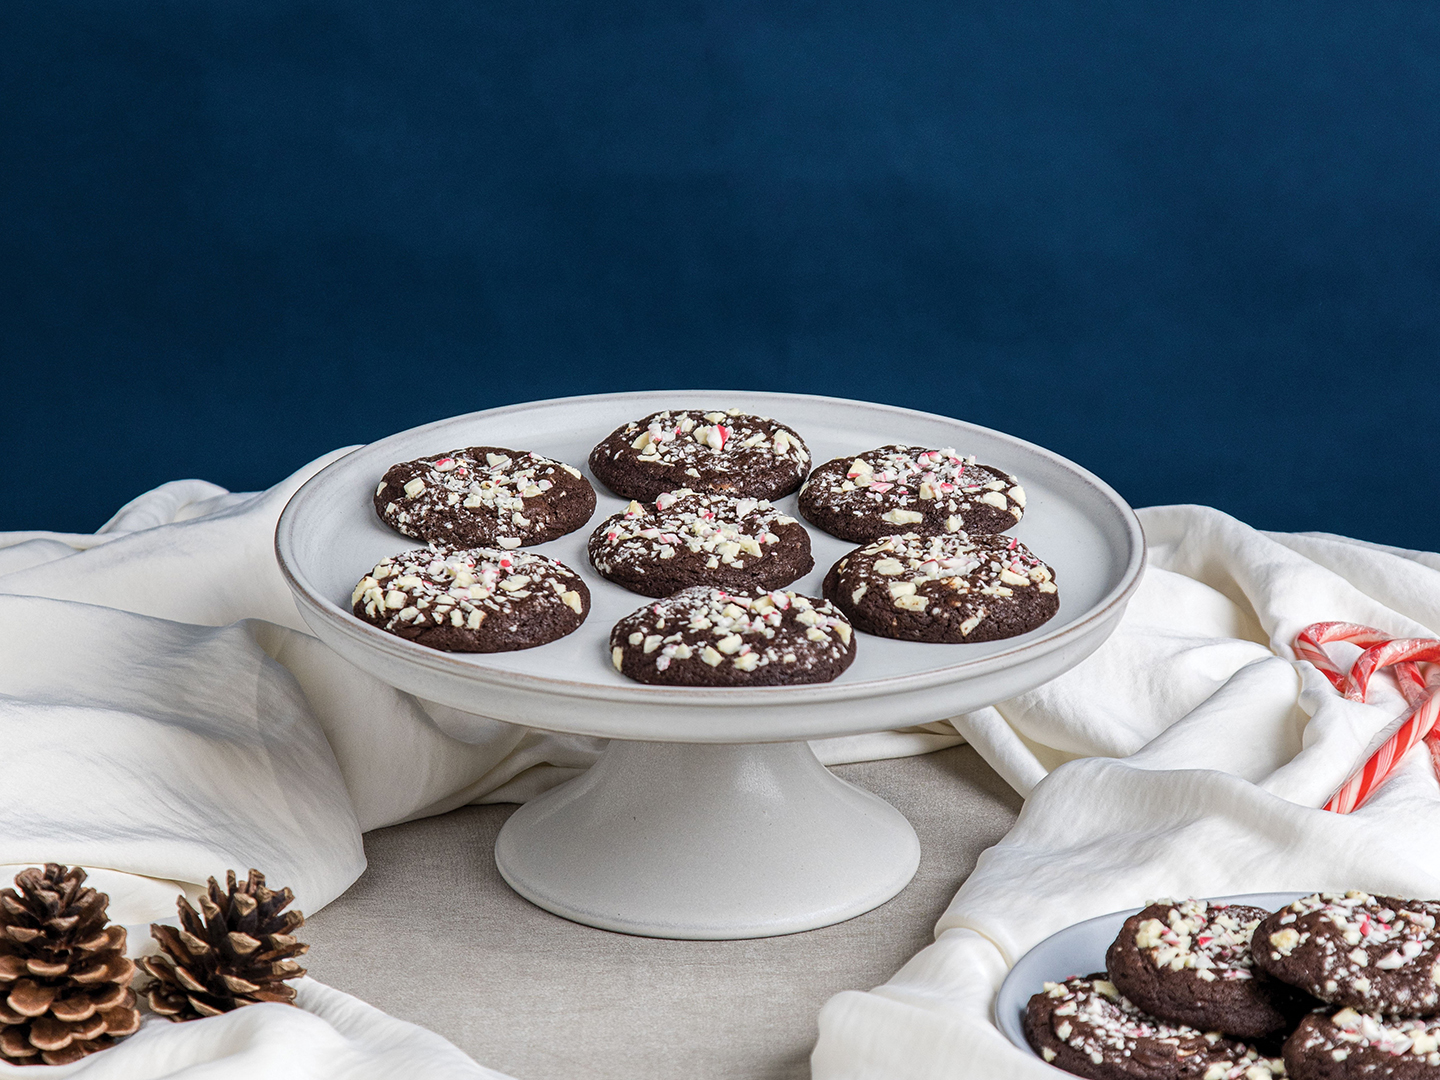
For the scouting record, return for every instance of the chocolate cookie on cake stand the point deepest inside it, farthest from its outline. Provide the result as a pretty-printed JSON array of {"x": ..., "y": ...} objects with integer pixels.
[{"x": 709, "y": 816}]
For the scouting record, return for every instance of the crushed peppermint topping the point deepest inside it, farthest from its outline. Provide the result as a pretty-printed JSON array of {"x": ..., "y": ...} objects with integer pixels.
[
  {"x": 1372, "y": 1037},
  {"x": 483, "y": 495},
  {"x": 706, "y": 530},
  {"x": 921, "y": 573},
  {"x": 1377, "y": 953},
  {"x": 1213, "y": 940},
  {"x": 730, "y": 443},
  {"x": 463, "y": 588},
  {"x": 707, "y": 627},
  {"x": 935, "y": 490},
  {"x": 1091, "y": 1017}
]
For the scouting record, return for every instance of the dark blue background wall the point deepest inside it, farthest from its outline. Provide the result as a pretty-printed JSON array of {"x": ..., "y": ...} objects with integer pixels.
[{"x": 1194, "y": 247}]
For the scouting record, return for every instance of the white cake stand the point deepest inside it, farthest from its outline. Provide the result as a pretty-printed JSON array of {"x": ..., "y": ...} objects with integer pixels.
[{"x": 708, "y": 816}]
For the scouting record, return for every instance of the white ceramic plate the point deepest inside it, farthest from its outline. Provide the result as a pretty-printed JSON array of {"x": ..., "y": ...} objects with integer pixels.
[
  {"x": 1080, "y": 950},
  {"x": 329, "y": 536}
]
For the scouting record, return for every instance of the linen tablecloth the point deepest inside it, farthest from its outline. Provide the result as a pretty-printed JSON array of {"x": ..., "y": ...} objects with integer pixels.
[{"x": 167, "y": 716}]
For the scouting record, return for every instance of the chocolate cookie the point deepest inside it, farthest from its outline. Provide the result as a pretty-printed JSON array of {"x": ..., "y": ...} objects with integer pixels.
[
  {"x": 472, "y": 600},
  {"x": 696, "y": 538},
  {"x": 1087, "y": 1027},
  {"x": 1350, "y": 1045},
  {"x": 943, "y": 588},
  {"x": 485, "y": 495},
  {"x": 910, "y": 489},
  {"x": 1189, "y": 962},
  {"x": 1377, "y": 954},
  {"x": 704, "y": 636},
  {"x": 732, "y": 453}
]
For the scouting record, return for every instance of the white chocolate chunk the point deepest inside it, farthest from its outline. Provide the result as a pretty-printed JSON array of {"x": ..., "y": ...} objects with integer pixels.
[
  {"x": 1284, "y": 941},
  {"x": 1147, "y": 934},
  {"x": 903, "y": 517}
]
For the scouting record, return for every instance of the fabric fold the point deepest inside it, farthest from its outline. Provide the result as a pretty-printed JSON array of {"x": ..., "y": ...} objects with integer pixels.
[
  {"x": 167, "y": 716},
  {"x": 1189, "y": 756}
]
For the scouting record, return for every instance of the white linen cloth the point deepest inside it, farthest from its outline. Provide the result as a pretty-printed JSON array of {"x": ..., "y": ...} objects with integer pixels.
[
  {"x": 1189, "y": 756},
  {"x": 166, "y": 716}
]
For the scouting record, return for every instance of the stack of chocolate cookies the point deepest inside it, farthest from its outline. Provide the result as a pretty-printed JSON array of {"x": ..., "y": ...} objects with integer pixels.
[{"x": 1330, "y": 987}]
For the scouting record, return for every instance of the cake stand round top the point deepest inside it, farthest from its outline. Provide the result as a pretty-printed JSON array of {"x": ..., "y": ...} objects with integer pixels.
[{"x": 329, "y": 537}]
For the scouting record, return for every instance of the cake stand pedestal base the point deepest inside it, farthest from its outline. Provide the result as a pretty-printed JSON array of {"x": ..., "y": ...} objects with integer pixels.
[{"x": 685, "y": 840}]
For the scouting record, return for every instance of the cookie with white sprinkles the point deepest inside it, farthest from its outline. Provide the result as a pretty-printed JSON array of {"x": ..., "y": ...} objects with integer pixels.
[
  {"x": 946, "y": 588},
  {"x": 1087, "y": 1027},
  {"x": 690, "y": 538},
  {"x": 1376, "y": 954},
  {"x": 1189, "y": 962},
  {"x": 729, "y": 452},
  {"x": 704, "y": 636},
  {"x": 472, "y": 599},
  {"x": 898, "y": 488},
  {"x": 1351, "y": 1046},
  {"x": 483, "y": 496}
]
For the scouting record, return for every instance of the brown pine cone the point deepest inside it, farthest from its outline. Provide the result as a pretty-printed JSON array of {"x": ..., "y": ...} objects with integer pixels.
[
  {"x": 62, "y": 969},
  {"x": 239, "y": 954}
]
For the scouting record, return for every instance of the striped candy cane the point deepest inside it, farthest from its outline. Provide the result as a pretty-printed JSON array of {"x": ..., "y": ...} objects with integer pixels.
[
  {"x": 1404, "y": 655},
  {"x": 1406, "y": 651},
  {"x": 1309, "y": 641}
]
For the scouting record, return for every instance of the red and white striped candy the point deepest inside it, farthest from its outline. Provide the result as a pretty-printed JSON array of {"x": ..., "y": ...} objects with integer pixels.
[
  {"x": 1404, "y": 655},
  {"x": 1309, "y": 641},
  {"x": 1389, "y": 654}
]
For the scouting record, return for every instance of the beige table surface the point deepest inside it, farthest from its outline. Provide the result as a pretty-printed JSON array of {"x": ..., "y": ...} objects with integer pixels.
[{"x": 431, "y": 933}]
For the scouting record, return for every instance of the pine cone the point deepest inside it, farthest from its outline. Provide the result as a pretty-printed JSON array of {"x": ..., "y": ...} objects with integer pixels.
[
  {"x": 63, "y": 970},
  {"x": 240, "y": 954}
]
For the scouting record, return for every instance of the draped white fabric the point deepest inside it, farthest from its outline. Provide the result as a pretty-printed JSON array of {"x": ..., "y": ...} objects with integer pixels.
[
  {"x": 166, "y": 716},
  {"x": 1189, "y": 756},
  {"x": 330, "y": 1035}
]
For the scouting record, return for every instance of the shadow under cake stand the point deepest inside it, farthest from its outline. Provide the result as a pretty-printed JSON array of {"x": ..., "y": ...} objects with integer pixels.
[{"x": 708, "y": 815}]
